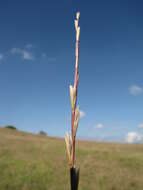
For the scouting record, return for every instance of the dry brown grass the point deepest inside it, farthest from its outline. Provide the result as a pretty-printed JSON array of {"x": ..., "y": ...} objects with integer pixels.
[{"x": 34, "y": 162}]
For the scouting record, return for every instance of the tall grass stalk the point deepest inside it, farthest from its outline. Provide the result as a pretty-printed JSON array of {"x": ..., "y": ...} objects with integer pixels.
[{"x": 75, "y": 114}]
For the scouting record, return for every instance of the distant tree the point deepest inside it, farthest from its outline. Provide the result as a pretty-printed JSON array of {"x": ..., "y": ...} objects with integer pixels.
[
  {"x": 10, "y": 127},
  {"x": 43, "y": 133}
]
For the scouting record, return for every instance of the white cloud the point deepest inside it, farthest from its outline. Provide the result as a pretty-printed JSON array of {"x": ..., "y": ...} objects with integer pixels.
[
  {"x": 99, "y": 126},
  {"x": 133, "y": 137},
  {"x": 26, "y": 55},
  {"x": 29, "y": 46},
  {"x": 135, "y": 90},
  {"x": 82, "y": 114},
  {"x": 140, "y": 125},
  {"x": 1, "y": 56}
]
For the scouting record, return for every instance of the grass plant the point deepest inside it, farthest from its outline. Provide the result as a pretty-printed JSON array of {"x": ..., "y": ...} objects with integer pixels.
[{"x": 75, "y": 115}]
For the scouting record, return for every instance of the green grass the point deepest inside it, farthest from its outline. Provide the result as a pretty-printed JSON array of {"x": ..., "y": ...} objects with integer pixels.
[{"x": 34, "y": 162}]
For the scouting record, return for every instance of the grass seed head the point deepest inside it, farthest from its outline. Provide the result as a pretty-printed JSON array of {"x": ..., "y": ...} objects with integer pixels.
[
  {"x": 76, "y": 121},
  {"x": 77, "y": 33},
  {"x": 77, "y": 15},
  {"x": 68, "y": 141},
  {"x": 72, "y": 96}
]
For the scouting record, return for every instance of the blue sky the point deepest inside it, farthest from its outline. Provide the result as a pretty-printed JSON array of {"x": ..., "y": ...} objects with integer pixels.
[{"x": 37, "y": 40}]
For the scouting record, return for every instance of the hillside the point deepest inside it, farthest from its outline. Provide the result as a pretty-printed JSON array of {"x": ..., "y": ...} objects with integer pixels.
[{"x": 34, "y": 162}]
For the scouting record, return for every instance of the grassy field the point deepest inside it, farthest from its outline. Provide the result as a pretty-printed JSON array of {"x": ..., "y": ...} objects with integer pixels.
[{"x": 32, "y": 162}]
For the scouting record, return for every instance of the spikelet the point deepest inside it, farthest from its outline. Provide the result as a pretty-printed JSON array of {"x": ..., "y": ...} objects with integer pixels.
[
  {"x": 78, "y": 34},
  {"x": 68, "y": 141},
  {"x": 77, "y": 28},
  {"x": 76, "y": 120},
  {"x": 72, "y": 96},
  {"x": 77, "y": 15},
  {"x": 76, "y": 24}
]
